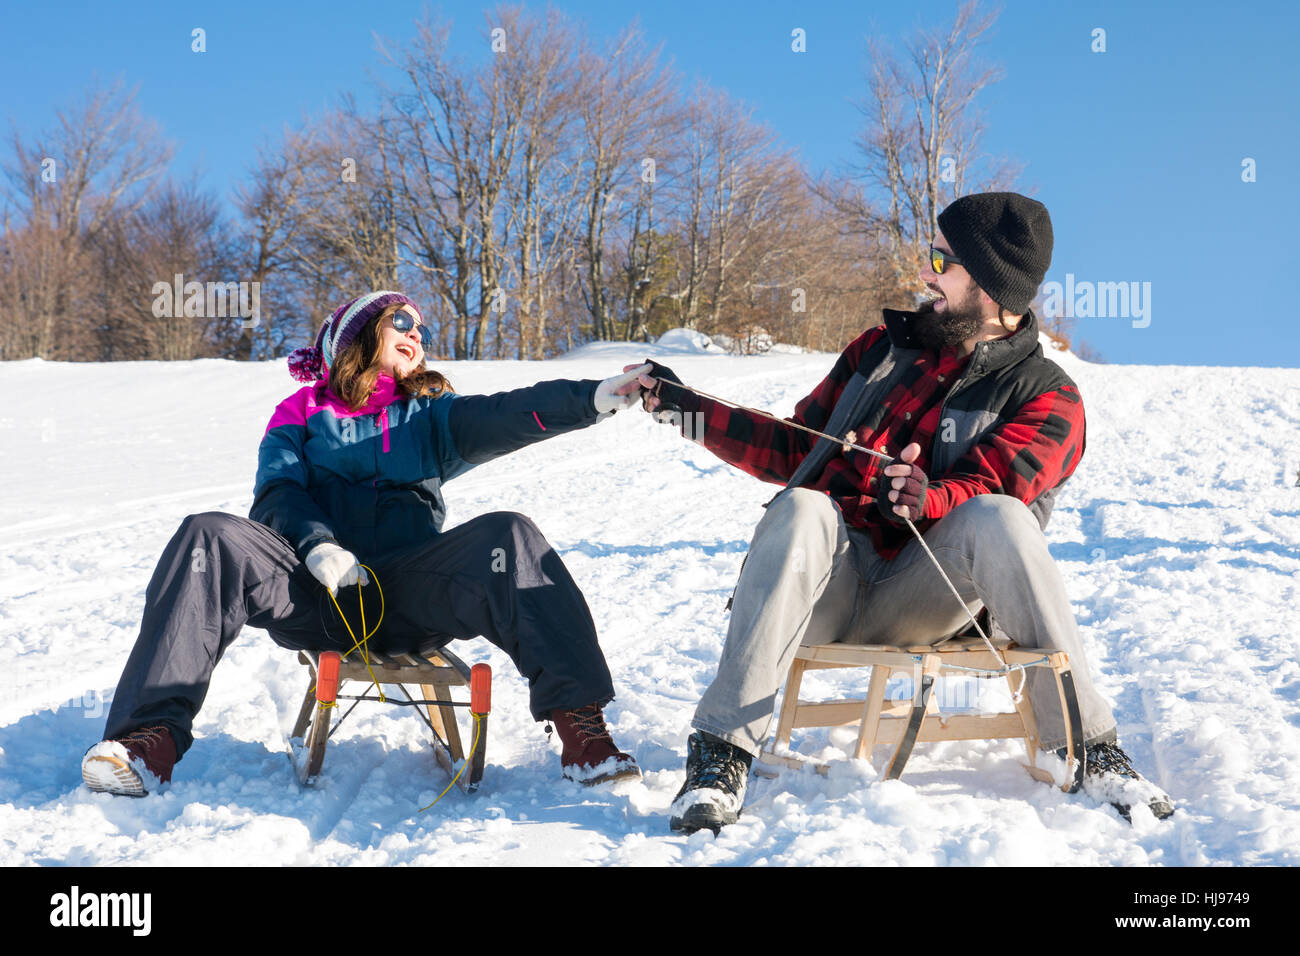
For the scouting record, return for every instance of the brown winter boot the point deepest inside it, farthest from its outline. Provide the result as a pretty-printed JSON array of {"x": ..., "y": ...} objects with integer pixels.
[
  {"x": 131, "y": 765},
  {"x": 590, "y": 756}
]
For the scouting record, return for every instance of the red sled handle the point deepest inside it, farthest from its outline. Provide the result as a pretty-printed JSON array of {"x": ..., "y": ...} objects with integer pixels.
[
  {"x": 327, "y": 677},
  {"x": 480, "y": 689}
]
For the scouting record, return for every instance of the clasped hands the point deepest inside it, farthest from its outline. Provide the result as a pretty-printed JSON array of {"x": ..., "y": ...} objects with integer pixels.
[
  {"x": 638, "y": 383},
  {"x": 621, "y": 391}
]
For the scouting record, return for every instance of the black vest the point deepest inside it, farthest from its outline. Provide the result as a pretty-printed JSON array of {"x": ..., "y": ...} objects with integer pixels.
[{"x": 1001, "y": 376}]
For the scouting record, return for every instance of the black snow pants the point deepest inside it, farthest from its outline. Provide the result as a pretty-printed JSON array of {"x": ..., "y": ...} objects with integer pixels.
[{"x": 495, "y": 576}]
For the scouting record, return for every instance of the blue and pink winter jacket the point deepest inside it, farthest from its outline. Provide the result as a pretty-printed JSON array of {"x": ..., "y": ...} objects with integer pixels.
[{"x": 371, "y": 480}]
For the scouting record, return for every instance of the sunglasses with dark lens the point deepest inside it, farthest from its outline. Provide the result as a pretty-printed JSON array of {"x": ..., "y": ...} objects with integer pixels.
[
  {"x": 940, "y": 260},
  {"x": 404, "y": 321}
]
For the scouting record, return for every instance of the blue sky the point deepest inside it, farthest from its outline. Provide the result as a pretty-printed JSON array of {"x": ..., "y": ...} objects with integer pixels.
[{"x": 1137, "y": 151}]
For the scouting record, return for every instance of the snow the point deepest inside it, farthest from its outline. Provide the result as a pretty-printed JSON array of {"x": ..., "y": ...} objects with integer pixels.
[
  {"x": 1179, "y": 539},
  {"x": 686, "y": 340}
]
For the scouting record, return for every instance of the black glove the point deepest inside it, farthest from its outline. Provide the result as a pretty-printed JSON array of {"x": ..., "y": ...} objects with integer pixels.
[
  {"x": 663, "y": 391},
  {"x": 911, "y": 495}
]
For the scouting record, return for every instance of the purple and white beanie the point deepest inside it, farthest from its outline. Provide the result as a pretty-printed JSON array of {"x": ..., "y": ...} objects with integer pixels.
[{"x": 339, "y": 330}]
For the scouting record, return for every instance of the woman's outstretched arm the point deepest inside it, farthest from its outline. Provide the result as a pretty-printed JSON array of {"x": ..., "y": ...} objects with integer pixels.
[{"x": 483, "y": 427}]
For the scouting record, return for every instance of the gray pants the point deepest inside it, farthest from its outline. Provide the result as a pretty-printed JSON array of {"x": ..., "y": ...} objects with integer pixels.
[{"x": 800, "y": 585}]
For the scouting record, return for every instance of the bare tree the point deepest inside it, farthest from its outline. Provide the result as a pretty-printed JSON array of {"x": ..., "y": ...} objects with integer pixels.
[
  {"x": 507, "y": 94},
  {"x": 65, "y": 186},
  {"x": 273, "y": 206},
  {"x": 646, "y": 256},
  {"x": 342, "y": 233},
  {"x": 694, "y": 210},
  {"x": 435, "y": 185},
  {"x": 541, "y": 196},
  {"x": 32, "y": 285},
  {"x": 178, "y": 232},
  {"x": 921, "y": 143},
  {"x": 624, "y": 98},
  {"x": 737, "y": 226},
  {"x": 756, "y": 190}
]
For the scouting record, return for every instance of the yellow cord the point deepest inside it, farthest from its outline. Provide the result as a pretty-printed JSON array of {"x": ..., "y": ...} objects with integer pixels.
[
  {"x": 365, "y": 635},
  {"x": 365, "y": 657},
  {"x": 321, "y": 703},
  {"x": 473, "y": 749}
]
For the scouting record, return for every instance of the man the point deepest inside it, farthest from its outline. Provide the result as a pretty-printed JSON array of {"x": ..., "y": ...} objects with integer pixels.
[{"x": 986, "y": 431}]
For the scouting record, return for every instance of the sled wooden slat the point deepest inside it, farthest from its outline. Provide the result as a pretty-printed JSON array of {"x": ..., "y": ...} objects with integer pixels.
[
  {"x": 872, "y": 708},
  {"x": 445, "y": 719},
  {"x": 958, "y": 727},
  {"x": 902, "y": 723},
  {"x": 304, "y": 712},
  {"x": 841, "y": 713},
  {"x": 435, "y": 673},
  {"x": 432, "y": 673},
  {"x": 790, "y": 714}
]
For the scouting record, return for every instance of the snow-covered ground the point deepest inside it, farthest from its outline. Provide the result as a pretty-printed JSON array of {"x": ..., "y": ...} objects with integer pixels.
[{"x": 1179, "y": 538}]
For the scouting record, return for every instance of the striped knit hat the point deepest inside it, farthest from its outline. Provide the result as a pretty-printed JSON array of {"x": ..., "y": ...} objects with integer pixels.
[{"x": 340, "y": 329}]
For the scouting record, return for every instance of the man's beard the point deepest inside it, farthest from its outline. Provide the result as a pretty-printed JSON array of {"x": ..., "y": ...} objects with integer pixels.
[{"x": 954, "y": 325}]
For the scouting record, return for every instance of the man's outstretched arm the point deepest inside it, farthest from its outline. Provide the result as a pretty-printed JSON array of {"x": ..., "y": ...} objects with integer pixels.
[{"x": 766, "y": 448}]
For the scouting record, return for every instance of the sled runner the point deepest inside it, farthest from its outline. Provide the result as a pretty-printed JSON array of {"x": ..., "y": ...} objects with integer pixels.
[
  {"x": 435, "y": 670},
  {"x": 904, "y": 723}
]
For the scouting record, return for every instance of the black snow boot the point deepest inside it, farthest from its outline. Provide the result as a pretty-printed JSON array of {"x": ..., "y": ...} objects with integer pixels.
[
  {"x": 1110, "y": 777},
  {"x": 714, "y": 791}
]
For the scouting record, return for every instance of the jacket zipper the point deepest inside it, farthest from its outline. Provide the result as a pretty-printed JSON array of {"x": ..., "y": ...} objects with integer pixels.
[
  {"x": 956, "y": 386},
  {"x": 374, "y": 482}
]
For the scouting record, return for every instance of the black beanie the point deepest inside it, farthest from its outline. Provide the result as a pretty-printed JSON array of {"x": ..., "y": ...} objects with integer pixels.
[{"x": 1004, "y": 240}]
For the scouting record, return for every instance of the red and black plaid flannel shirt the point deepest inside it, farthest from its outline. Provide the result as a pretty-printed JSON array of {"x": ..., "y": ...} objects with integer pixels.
[{"x": 1028, "y": 454}]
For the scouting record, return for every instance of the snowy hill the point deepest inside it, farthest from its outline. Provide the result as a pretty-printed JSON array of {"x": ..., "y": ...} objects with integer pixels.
[{"x": 1179, "y": 539}]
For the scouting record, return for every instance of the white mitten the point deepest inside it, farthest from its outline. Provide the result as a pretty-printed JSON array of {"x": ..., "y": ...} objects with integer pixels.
[
  {"x": 614, "y": 394},
  {"x": 335, "y": 567}
]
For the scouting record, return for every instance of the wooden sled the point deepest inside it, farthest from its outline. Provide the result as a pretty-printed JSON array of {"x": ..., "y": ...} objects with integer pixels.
[
  {"x": 434, "y": 670},
  {"x": 902, "y": 724}
]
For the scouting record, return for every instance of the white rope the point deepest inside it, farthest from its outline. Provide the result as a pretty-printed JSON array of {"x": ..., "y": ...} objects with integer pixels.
[
  {"x": 951, "y": 587},
  {"x": 996, "y": 671}
]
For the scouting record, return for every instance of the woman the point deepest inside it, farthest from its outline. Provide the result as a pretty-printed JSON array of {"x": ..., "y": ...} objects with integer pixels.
[{"x": 349, "y": 472}]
